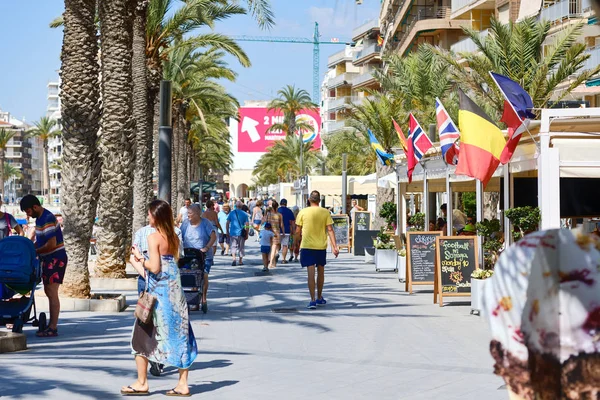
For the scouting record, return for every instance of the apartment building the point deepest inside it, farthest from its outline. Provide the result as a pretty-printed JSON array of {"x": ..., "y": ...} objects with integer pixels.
[
  {"x": 54, "y": 144},
  {"x": 349, "y": 75},
  {"x": 20, "y": 153}
]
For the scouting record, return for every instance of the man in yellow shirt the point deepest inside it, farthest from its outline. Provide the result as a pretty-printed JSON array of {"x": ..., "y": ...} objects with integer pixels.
[{"x": 313, "y": 225}]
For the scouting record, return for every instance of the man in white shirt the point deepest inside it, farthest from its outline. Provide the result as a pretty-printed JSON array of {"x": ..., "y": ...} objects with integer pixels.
[{"x": 183, "y": 212}]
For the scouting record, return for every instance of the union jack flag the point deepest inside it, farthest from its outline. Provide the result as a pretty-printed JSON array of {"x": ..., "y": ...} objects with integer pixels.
[{"x": 448, "y": 134}]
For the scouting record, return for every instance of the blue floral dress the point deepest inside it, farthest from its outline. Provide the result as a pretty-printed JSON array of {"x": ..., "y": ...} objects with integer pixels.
[{"x": 169, "y": 338}]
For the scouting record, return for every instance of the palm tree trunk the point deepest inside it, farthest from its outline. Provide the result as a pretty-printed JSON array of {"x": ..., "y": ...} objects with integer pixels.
[
  {"x": 80, "y": 102},
  {"x": 155, "y": 106},
  {"x": 383, "y": 195},
  {"x": 117, "y": 138},
  {"x": 174, "y": 157},
  {"x": 182, "y": 176},
  {"x": 2, "y": 174},
  {"x": 142, "y": 183},
  {"x": 46, "y": 170}
]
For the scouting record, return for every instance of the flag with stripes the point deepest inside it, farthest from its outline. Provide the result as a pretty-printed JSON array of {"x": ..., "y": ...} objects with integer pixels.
[
  {"x": 418, "y": 144},
  {"x": 384, "y": 157},
  {"x": 448, "y": 134}
]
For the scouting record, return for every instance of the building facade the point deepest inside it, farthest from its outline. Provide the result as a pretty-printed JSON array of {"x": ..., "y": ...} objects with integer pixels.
[{"x": 54, "y": 144}]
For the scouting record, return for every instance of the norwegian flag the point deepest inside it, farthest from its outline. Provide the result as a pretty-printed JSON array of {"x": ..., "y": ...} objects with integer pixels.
[
  {"x": 418, "y": 144},
  {"x": 448, "y": 134}
]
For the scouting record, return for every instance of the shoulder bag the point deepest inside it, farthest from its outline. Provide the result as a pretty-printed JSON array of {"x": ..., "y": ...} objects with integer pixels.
[
  {"x": 244, "y": 233},
  {"x": 145, "y": 305}
]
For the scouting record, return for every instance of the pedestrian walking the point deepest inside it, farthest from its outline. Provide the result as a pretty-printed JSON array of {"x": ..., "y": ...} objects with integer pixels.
[
  {"x": 237, "y": 222},
  {"x": 266, "y": 242},
  {"x": 288, "y": 218},
  {"x": 183, "y": 211},
  {"x": 168, "y": 337},
  {"x": 49, "y": 246},
  {"x": 199, "y": 233},
  {"x": 211, "y": 215},
  {"x": 224, "y": 234},
  {"x": 276, "y": 221},
  {"x": 313, "y": 225},
  {"x": 257, "y": 216}
]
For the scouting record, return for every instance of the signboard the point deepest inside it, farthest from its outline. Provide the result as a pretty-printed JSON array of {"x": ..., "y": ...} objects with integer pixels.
[
  {"x": 361, "y": 221},
  {"x": 341, "y": 228},
  {"x": 420, "y": 258},
  {"x": 362, "y": 239},
  {"x": 253, "y": 134},
  {"x": 456, "y": 260}
]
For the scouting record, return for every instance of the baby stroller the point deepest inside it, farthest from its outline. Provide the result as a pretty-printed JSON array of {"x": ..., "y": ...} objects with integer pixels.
[
  {"x": 20, "y": 272},
  {"x": 191, "y": 269}
]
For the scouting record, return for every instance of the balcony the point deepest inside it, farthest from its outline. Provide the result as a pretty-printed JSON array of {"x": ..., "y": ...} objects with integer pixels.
[
  {"x": 367, "y": 51},
  {"x": 565, "y": 10},
  {"x": 363, "y": 79},
  {"x": 14, "y": 143},
  {"x": 364, "y": 28},
  {"x": 332, "y": 126},
  {"x": 342, "y": 79},
  {"x": 336, "y": 103},
  {"x": 594, "y": 59},
  {"x": 459, "y": 7},
  {"x": 467, "y": 45},
  {"x": 338, "y": 58},
  {"x": 14, "y": 154},
  {"x": 54, "y": 184}
]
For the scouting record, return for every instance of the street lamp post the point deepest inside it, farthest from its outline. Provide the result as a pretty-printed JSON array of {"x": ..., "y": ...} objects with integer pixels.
[{"x": 165, "y": 137}]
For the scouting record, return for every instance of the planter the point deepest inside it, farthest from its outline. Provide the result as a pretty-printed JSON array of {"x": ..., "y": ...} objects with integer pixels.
[
  {"x": 100, "y": 302},
  {"x": 477, "y": 291},
  {"x": 369, "y": 255},
  {"x": 10, "y": 342},
  {"x": 386, "y": 259},
  {"x": 402, "y": 269}
]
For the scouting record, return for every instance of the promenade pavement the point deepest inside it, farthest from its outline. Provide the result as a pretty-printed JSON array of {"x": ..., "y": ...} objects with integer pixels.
[{"x": 371, "y": 341}]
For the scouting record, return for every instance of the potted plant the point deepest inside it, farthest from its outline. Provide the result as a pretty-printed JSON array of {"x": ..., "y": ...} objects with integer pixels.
[
  {"x": 524, "y": 220},
  {"x": 388, "y": 213},
  {"x": 386, "y": 256},
  {"x": 417, "y": 222},
  {"x": 402, "y": 265},
  {"x": 478, "y": 281},
  {"x": 493, "y": 240}
]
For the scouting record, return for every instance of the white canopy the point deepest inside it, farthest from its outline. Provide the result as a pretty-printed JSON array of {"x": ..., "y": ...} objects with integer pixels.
[
  {"x": 388, "y": 181},
  {"x": 372, "y": 178}
]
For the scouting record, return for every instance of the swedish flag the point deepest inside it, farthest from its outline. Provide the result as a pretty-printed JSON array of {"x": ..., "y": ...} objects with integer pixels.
[{"x": 385, "y": 158}]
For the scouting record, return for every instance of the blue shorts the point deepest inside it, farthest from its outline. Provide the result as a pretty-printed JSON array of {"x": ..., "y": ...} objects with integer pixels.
[
  {"x": 207, "y": 264},
  {"x": 310, "y": 257},
  {"x": 265, "y": 249}
]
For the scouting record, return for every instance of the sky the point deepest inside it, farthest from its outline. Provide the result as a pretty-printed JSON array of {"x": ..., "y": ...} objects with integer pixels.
[{"x": 31, "y": 50}]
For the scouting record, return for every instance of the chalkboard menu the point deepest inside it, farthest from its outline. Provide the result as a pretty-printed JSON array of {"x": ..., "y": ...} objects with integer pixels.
[
  {"x": 341, "y": 227},
  {"x": 420, "y": 258},
  {"x": 456, "y": 260},
  {"x": 362, "y": 221},
  {"x": 361, "y": 240}
]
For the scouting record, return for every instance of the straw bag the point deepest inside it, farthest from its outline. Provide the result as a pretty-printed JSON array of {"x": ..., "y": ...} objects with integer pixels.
[{"x": 145, "y": 305}]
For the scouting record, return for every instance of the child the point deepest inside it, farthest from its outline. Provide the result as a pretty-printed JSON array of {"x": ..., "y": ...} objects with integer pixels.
[{"x": 266, "y": 241}]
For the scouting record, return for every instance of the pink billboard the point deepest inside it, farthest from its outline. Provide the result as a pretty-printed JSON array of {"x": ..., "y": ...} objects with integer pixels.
[{"x": 253, "y": 135}]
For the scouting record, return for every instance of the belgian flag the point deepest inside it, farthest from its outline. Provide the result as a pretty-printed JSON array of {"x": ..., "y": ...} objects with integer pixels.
[{"x": 481, "y": 141}]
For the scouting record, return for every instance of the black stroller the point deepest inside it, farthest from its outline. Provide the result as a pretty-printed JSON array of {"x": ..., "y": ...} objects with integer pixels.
[
  {"x": 20, "y": 272},
  {"x": 191, "y": 269}
]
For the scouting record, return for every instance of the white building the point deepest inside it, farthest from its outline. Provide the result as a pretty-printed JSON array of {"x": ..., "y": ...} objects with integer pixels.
[{"x": 54, "y": 144}]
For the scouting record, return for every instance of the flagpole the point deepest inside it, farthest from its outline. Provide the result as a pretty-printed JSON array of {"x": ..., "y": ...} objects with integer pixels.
[
  {"x": 513, "y": 108},
  {"x": 479, "y": 205}
]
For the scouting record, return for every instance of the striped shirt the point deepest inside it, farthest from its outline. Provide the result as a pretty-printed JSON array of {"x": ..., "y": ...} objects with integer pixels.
[{"x": 46, "y": 228}]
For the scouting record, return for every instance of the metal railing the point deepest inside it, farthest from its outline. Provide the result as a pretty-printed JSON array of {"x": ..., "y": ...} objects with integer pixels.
[
  {"x": 422, "y": 13},
  {"x": 565, "y": 9},
  {"x": 467, "y": 45},
  {"x": 372, "y": 48}
]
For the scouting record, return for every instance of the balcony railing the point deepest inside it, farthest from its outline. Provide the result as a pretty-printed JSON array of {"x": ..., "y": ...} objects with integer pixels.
[
  {"x": 342, "y": 79},
  {"x": 332, "y": 126},
  {"x": 458, "y": 4},
  {"x": 565, "y": 9},
  {"x": 367, "y": 51},
  {"x": 362, "y": 78},
  {"x": 14, "y": 154},
  {"x": 594, "y": 59},
  {"x": 365, "y": 28},
  {"x": 338, "y": 57},
  {"x": 15, "y": 143},
  {"x": 54, "y": 184},
  {"x": 467, "y": 45},
  {"x": 338, "y": 102},
  {"x": 420, "y": 14}
]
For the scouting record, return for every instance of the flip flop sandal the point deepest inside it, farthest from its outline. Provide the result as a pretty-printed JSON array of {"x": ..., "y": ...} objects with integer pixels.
[
  {"x": 48, "y": 333},
  {"x": 175, "y": 393},
  {"x": 134, "y": 392}
]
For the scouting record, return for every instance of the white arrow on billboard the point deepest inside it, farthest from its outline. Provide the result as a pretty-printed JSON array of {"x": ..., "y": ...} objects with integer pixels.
[{"x": 249, "y": 125}]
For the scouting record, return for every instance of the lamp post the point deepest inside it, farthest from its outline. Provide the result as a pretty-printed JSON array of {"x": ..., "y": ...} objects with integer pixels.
[{"x": 165, "y": 137}]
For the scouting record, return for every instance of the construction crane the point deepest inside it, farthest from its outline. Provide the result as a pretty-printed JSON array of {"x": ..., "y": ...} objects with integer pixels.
[{"x": 316, "y": 52}]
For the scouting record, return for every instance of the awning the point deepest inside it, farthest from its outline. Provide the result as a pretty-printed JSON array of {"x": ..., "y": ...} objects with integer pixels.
[
  {"x": 388, "y": 181},
  {"x": 372, "y": 178}
]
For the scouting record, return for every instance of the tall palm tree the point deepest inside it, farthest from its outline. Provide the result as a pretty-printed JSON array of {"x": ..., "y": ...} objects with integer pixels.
[
  {"x": 375, "y": 114},
  {"x": 353, "y": 144},
  {"x": 117, "y": 137},
  {"x": 519, "y": 51},
  {"x": 10, "y": 171},
  {"x": 45, "y": 129},
  {"x": 5, "y": 136},
  {"x": 80, "y": 102}
]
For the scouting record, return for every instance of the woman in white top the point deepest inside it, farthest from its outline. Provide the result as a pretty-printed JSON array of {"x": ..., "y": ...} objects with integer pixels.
[{"x": 257, "y": 216}]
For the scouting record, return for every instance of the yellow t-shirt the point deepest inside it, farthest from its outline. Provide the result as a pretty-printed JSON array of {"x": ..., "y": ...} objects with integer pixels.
[{"x": 314, "y": 221}]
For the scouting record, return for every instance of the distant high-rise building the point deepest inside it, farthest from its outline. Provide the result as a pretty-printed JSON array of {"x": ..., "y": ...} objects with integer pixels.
[{"x": 55, "y": 144}]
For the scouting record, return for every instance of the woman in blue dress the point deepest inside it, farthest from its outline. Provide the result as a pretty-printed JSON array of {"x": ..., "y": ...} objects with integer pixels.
[{"x": 168, "y": 339}]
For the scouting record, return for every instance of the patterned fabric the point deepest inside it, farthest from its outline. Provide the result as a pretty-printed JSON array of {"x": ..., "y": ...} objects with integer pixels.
[
  {"x": 54, "y": 268},
  {"x": 47, "y": 227},
  {"x": 169, "y": 339}
]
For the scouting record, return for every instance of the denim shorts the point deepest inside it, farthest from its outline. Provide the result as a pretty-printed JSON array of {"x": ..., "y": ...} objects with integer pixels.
[
  {"x": 310, "y": 257},
  {"x": 207, "y": 264},
  {"x": 265, "y": 249}
]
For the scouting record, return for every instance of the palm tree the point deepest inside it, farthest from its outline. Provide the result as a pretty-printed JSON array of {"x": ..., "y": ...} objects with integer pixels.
[
  {"x": 80, "y": 101},
  {"x": 282, "y": 161},
  {"x": 518, "y": 51},
  {"x": 5, "y": 136},
  {"x": 353, "y": 144},
  {"x": 45, "y": 129},
  {"x": 116, "y": 138},
  {"x": 375, "y": 114},
  {"x": 10, "y": 171}
]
